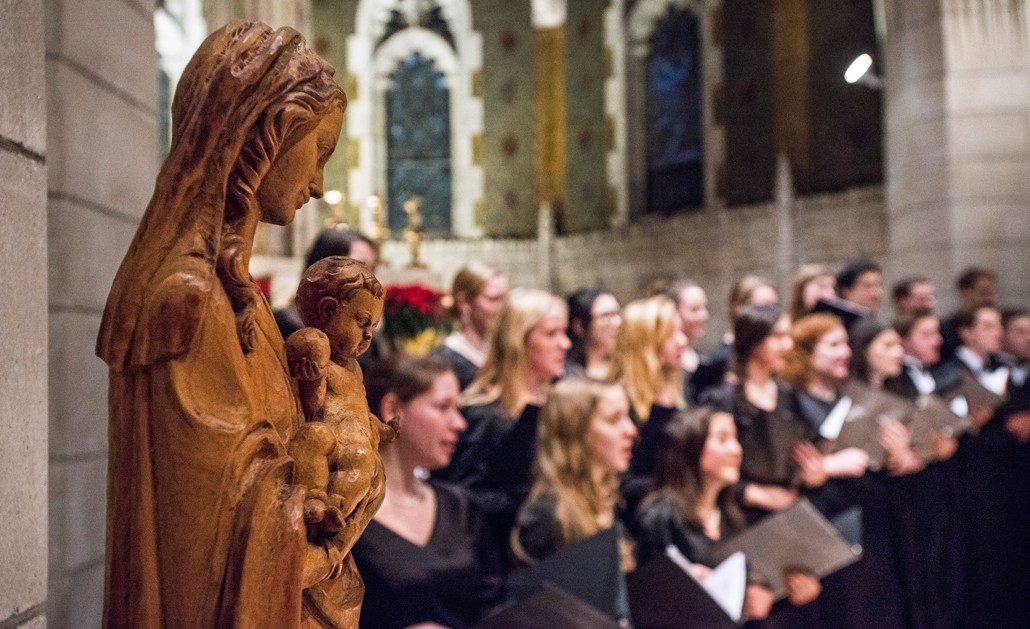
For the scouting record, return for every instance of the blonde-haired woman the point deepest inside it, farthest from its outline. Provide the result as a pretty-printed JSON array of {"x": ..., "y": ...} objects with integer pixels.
[
  {"x": 584, "y": 441},
  {"x": 479, "y": 291},
  {"x": 648, "y": 358},
  {"x": 495, "y": 455}
]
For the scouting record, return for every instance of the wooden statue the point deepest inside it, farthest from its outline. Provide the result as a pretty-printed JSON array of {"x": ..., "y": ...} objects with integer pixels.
[{"x": 207, "y": 523}]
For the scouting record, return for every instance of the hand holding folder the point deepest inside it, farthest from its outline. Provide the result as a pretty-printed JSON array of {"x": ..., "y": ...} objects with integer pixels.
[
  {"x": 664, "y": 595},
  {"x": 856, "y": 420},
  {"x": 798, "y": 538}
]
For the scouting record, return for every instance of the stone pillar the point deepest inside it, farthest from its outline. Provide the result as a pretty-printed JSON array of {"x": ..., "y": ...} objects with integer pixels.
[
  {"x": 958, "y": 141},
  {"x": 275, "y": 13},
  {"x": 102, "y": 158},
  {"x": 23, "y": 383}
]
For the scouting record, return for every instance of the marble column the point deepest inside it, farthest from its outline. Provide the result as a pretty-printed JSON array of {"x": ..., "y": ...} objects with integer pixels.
[
  {"x": 23, "y": 376},
  {"x": 958, "y": 141},
  {"x": 102, "y": 158}
]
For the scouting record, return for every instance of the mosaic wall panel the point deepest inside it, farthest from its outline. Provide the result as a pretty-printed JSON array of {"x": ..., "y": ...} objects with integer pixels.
[
  {"x": 509, "y": 203},
  {"x": 332, "y": 21},
  {"x": 589, "y": 203}
]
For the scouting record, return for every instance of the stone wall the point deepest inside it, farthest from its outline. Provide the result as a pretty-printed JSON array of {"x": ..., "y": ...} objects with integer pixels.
[
  {"x": 101, "y": 82},
  {"x": 23, "y": 376}
]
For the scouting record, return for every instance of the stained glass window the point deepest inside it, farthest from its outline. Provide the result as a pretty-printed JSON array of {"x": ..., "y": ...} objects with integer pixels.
[
  {"x": 675, "y": 175},
  {"x": 418, "y": 122}
]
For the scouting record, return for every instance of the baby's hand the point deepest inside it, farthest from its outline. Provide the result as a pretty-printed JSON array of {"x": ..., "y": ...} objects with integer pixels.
[{"x": 322, "y": 515}]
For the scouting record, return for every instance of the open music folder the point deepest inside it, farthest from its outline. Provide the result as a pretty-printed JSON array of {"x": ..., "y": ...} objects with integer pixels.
[{"x": 796, "y": 538}]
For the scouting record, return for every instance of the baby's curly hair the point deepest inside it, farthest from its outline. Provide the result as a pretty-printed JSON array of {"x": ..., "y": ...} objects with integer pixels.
[{"x": 338, "y": 277}]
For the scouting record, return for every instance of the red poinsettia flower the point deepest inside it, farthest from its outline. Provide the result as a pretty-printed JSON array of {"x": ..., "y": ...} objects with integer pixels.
[{"x": 410, "y": 309}]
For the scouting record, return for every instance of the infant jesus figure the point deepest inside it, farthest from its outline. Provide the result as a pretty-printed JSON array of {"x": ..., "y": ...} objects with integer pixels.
[{"x": 337, "y": 450}]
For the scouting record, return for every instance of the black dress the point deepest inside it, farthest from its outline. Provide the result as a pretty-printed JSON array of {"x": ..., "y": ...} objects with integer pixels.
[
  {"x": 659, "y": 525},
  {"x": 463, "y": 368},
  {"x": 636, "y": 482},
  {"x": 494, "y": 461},
  {"x": 927, "y": 507},
  {"x": 454, "y": 580},
  {"x": 766, "y": 437},
  {"x": 869, "y": 592}
]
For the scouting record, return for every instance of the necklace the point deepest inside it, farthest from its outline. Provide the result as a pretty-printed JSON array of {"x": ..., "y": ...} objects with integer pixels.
[
  {"x": 407, "y": 501},
  {"x": 713, "y": 521}
]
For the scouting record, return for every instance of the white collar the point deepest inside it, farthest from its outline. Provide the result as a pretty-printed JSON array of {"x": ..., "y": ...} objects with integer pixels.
[
  {"x": 457, "y": 342},
  {"x": 970, "y": 358}
]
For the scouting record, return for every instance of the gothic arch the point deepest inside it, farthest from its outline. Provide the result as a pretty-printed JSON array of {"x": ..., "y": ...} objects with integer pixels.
[
  {"x": 372, "y": 54},
  {"x": 639, "y": 26}
]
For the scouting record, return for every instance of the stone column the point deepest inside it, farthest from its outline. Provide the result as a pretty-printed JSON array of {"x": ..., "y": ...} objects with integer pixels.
[
  {"x": 23, "y": 376},
  {"x": 102, "y": 158},
  {"x": 958, "y": 141}
]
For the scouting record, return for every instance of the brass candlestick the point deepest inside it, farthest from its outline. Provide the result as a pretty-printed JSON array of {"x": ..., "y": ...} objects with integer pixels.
[
  {"x": 379, "y": 231},
  {"x": 413, "y": 233}
]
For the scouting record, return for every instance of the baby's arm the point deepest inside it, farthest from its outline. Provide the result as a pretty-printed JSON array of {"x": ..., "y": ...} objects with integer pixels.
[{"x": 307, "y": 353}]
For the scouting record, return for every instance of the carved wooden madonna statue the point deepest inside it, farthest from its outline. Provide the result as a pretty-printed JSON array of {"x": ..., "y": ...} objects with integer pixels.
[{"x": 208, "y": 522}]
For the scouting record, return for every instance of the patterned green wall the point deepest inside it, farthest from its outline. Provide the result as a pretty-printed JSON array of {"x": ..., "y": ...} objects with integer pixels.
[
  {"x": 507, "y": 146},
  {"x": 332, "y": 21},
  {"x": 589, "y": 202}
]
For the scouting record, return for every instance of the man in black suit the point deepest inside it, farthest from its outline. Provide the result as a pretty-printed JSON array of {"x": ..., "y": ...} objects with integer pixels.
[
  {"x": 980, "y": 333},
  {"x": 976, "y": 287},
  {"x": 1016, "y": 345},
  {"x": 988, "y": 474}
]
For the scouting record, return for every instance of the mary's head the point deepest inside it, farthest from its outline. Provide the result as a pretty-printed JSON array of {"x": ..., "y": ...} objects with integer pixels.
[
  {"x": 255, "y": 116},
  {"x": 289, "y": 124}
]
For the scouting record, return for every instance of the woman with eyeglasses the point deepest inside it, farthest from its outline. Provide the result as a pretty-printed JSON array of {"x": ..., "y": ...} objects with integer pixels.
[{"x": 594, "y": 320}]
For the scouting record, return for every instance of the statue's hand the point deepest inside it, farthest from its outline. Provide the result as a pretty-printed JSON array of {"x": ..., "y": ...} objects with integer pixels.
[
  {"x": 307, "y": 370},
  {"x": 307, "y": 354},
  {"x": 322, "y": 515},
  {"x": 322, "y": 561}
]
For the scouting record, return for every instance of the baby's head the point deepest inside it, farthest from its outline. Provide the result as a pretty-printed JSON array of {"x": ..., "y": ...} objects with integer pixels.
[{"x": 341, "y": 297}]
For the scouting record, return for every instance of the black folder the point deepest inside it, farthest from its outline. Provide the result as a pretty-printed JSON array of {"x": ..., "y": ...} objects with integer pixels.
[
  {"x": 977, "y": 395},
  {"x": 663, "y": 596},
  {"x": 588, "y": 570},
  {"x": 549, "y": 607},
  {"x": 869, "y": 407},
  {"x": 847, "y": 313},
  {"x": 798, "y": 537}
]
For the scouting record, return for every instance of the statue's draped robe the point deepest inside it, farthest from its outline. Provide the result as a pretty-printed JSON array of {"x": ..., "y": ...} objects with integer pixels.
[{"x": 205, "y": 528}]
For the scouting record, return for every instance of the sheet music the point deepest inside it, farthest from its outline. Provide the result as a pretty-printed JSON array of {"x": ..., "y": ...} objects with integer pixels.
[
  {"x": 727, "y": 583},
  {"x": 830, "y": 428}
]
